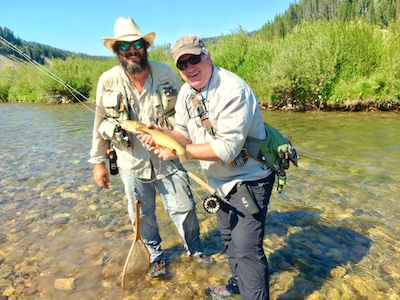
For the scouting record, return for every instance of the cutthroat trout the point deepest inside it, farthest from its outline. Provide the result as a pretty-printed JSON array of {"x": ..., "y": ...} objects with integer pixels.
[{"x": 159, "y": 137}]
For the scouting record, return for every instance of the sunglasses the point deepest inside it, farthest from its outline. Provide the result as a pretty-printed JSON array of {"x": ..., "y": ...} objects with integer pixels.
[
  {"x": 193, "y": 60},
  {"x": 126, "y": 46}
]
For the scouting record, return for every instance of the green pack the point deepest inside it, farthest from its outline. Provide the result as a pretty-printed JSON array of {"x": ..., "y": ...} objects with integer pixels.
[{"x": 276, "y": 151}]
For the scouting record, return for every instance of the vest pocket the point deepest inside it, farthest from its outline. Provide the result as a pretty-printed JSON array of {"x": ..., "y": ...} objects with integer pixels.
[
  {"x": 112, "y": 101},
  {"x": 168, "y": 95}
]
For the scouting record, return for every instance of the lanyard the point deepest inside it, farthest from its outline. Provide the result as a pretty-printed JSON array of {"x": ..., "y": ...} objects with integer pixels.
[{"x": 199, "y": 103}]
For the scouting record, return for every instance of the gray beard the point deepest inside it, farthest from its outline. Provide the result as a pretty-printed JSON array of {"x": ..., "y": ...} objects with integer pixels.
[{"x": 133, "y": 69}]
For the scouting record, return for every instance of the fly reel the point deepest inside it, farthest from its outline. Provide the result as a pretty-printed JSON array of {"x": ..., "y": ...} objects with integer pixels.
[{"x": 212, "y": 204}]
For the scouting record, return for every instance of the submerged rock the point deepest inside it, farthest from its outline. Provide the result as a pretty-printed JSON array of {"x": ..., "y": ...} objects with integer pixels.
[{"x": 65, "y": 284}]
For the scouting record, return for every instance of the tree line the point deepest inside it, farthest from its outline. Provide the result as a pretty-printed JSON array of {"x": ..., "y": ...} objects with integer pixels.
[
  {"x": 374, "y": 12},
  {"x": 316, "y": 63},
  {"x": 37, "y": 52}
]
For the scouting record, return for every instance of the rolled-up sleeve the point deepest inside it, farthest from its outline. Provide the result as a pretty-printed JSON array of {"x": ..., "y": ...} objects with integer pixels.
[{"x": 98, "y": 152}]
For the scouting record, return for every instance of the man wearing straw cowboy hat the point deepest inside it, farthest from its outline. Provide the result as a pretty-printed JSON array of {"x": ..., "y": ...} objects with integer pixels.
[{"x": 143, "y": 90}]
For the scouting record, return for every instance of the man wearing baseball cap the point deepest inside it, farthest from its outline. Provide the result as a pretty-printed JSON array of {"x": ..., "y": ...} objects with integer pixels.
[
  {"x": 216, "y": 110},
  {"x": 146, "y": 91}
]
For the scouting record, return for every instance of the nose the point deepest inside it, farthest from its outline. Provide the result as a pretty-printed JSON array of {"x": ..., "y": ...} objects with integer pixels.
[
  {"x": 190, "y": 66},
  {"x": 131, "y": 49}
]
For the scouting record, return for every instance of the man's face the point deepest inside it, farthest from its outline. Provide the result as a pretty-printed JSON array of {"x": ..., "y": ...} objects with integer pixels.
[
  {"x": 197, "y": 75},
  {"x": 133, "y": 61}
]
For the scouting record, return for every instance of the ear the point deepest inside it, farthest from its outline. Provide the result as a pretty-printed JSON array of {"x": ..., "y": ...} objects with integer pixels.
[{"x": 209, "y": 57}]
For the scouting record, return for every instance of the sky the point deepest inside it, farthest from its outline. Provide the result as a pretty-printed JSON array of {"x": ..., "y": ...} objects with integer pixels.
[{"x": 79, "y": 26}]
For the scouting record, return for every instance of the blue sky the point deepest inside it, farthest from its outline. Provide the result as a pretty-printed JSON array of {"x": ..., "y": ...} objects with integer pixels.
[{"x": 79, "y": 26}]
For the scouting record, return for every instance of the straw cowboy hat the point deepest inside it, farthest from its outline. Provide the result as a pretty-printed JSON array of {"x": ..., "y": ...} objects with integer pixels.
[{"x": 126, "y": 30}]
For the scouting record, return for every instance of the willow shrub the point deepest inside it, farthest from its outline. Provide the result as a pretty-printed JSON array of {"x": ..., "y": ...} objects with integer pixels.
[
  {"x": 80, "y": 74},
  {"x": 229, "y": 52},
  {"x": 317, "y": 62},
  {"x": 28, "y": 82},
  {"x": 304, "y": 68},
  {"x": 256, "y": 67},
  {"x": 6, "y": 80},
  {"x": 76, "y": 72},
  {"x": 248, "y": 57},
  {"x": 162, "y": 54},
  {"x": 386, "y": 80},
  {"x": 371, "y": 59},
  {"x": 25, "y": 85}
]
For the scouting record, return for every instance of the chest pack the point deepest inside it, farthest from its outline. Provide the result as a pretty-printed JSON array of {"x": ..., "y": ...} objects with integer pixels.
[{"x": 275, "y": 151}]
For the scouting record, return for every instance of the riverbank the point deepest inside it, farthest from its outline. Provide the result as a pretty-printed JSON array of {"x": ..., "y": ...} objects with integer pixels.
[{"x": 353, "y": 106}]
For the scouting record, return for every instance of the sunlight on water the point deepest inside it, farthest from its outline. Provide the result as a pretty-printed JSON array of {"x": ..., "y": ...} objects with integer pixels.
[{"x": 332, "y": 233}]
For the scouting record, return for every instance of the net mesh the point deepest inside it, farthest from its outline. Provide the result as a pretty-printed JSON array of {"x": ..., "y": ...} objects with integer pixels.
[
  {"x": 137, "y": 263},
  {"x": 136, "y": 266}
]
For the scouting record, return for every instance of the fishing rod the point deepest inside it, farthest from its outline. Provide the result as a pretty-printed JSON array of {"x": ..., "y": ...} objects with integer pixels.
[
  {"x": 131, "y": 126},
  {"x": 211, "y": 204}
]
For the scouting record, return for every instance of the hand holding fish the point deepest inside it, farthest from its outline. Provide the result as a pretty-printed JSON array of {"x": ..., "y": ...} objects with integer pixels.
[
  {"x": 161, "y": 151},
  {"x": 165, "y": 153},
  {"x": 158, "y": 139}
]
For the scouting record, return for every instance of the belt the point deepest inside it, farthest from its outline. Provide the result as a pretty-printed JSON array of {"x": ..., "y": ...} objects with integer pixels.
[{"x": 258, "y": 181}]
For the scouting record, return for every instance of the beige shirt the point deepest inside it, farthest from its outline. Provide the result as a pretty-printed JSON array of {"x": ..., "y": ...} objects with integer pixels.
[{"x": 135, "y": 159}]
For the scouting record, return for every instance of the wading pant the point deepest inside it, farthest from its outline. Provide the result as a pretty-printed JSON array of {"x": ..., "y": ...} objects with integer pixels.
[
  {"x": 178, "y": 203},
  {"x": 243, "y": 234}
]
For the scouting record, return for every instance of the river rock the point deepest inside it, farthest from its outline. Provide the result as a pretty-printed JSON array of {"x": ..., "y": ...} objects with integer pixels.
[
  {"x": 111, "y": 270},
  {"x": 65, "y": 284},
  {"x": 30, "y": 291},
  {"x": 9, "y": 291},
  {"x": 107, "y": 284},
  {"x": 338, "y": 272}
]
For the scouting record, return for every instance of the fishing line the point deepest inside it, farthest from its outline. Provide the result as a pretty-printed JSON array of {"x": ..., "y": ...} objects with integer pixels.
[
  {"x": 47, "y": 72},
  {"x": 71, "y": 90}
]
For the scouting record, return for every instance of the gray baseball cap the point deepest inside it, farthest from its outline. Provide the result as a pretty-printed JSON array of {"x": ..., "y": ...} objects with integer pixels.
[{"x": 188, "y": 44}]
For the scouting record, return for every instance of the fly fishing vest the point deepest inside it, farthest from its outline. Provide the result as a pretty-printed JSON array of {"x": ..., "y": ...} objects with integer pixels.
[{"x": 117, "y": 99}]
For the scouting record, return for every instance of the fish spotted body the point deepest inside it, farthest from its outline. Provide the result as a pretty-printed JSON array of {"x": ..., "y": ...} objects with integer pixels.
[{"x": 159, "y": 137}]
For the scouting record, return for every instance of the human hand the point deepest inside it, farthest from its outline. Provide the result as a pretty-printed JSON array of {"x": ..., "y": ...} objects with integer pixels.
[
  {"x": 147, "y": 139},
  {"x": 164, "y": 153},
  {"x": 101, "y": 176}
]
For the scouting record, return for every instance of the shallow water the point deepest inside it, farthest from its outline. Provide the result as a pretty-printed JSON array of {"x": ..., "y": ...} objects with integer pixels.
[{"x": 332, "y": 233}]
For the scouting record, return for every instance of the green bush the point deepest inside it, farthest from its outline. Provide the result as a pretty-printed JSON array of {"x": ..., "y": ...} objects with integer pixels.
[
  {"x": 316, "y": 63},
  {"x": 6, "y": 80},
  {"x": 229, "y": 52}
]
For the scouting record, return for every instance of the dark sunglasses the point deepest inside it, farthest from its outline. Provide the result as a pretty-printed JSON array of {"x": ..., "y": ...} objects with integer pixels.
[
  {"x": 126, "y": 46},
  {"x": 193, "y": 60}
]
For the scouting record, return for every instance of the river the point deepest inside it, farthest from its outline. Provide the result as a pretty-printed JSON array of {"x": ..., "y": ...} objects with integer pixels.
[{"x": 332, "y": 234}]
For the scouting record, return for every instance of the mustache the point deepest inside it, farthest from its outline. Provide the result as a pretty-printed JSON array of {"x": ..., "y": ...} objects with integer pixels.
[{"x": 135, "y": 68}]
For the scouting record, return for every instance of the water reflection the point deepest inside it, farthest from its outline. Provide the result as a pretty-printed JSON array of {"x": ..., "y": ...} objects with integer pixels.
[{"x": 331, "y": 234}]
